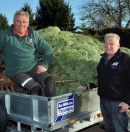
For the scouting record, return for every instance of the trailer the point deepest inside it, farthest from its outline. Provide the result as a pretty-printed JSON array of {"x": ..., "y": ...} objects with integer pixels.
[{"x": 64, "y": 113}]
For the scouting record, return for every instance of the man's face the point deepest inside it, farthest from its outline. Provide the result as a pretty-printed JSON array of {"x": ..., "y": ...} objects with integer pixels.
[
  {"x": 21, "y": 23},
  {"x": 111, "y": 46}
]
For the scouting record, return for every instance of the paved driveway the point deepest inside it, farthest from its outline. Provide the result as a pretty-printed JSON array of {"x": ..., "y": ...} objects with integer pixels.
[{"x": 94, "y": 128}]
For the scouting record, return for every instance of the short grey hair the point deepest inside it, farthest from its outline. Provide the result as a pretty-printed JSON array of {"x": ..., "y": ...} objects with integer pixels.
[
  {"x": 24, "y": 13},
  {"x": 112, "y": 35}
]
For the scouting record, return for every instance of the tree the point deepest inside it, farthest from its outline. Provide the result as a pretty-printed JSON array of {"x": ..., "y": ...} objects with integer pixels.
[
  {"x": 107, "y": 13},
  {"x": 27, "y": 8},
  {"x": 3, "y": 22},
  {"x": 55, "y": 13}
]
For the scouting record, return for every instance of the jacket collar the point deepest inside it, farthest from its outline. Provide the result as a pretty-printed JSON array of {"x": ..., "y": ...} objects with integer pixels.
[
  {"x": 117, "y": 54},
  {"x": 16, "y": 33},
  {"x": 30, "y": 30}
]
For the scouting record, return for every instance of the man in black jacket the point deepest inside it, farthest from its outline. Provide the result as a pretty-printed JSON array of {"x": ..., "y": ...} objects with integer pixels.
[{"x": 114, "y": 85}]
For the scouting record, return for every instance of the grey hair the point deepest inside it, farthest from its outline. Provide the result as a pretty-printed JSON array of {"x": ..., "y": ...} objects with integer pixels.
[
  {"x": 112, "y": 35},
  {"x": 24, "y": 13}
]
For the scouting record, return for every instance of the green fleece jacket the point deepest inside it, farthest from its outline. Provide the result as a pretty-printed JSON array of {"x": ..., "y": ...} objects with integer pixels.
[{"x": 20, "y": 52}]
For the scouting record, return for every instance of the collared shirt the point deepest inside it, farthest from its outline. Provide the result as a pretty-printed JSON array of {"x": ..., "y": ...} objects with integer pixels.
[{"x": 16, "y": 33}]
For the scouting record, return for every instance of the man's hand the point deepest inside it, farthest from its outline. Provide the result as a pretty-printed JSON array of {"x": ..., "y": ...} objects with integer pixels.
[
  {"x": 123, "y": 106},
  {"x": 41, "y": 69}
]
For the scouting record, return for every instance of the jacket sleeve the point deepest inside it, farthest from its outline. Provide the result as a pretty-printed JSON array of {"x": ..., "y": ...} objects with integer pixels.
[
  {"x": 127, "y": 63},
  {"x": 2, "y": 41},
  {"x": 43, "y": 48}
]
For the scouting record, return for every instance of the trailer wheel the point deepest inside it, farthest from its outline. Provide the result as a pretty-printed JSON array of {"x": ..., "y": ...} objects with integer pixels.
[{"x": 3, "y": 117}]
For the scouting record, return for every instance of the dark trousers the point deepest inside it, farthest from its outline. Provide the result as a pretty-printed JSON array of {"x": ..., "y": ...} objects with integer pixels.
[
  {"x": 115, "y": 121},
  {"x": 36, "y": 83}
]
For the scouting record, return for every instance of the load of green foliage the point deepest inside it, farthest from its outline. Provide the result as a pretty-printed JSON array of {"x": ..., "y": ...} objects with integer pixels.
[{"x": 75, "y": 58}]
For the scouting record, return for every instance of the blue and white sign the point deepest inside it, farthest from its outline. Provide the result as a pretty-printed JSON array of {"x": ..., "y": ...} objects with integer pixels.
[{"x": 65, "y": 107}]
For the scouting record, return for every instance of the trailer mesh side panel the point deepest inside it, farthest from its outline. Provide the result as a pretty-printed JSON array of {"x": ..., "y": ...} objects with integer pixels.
[
  {"x": 28, "y": 109},
  {"x": 21, "y": 106}
]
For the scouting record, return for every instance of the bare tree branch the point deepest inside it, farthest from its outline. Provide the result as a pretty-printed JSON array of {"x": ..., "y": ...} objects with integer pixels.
[{"x": 107, "y": 13}]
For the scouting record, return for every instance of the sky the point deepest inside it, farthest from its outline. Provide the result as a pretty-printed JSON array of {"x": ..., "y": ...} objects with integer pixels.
[{"x": 9, "y": 7}]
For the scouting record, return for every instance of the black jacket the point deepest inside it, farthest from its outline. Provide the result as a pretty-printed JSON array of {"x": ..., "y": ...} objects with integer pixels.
[{"x": 114, "y": 77}]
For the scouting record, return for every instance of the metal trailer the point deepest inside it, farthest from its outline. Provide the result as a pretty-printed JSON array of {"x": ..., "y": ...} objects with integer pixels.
[{"x": 67, "y": 113}]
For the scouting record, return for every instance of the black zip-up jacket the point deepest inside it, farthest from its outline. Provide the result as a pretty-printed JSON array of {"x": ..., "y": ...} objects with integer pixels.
[{"x": 114, "y": 78}]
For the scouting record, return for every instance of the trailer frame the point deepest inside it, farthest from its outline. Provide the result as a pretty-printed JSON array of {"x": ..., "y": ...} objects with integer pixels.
[{"x": 69, "y": 112}]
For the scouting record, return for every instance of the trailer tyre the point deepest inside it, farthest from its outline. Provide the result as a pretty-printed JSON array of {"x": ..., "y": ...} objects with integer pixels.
[{"x": 3, "y": 117}]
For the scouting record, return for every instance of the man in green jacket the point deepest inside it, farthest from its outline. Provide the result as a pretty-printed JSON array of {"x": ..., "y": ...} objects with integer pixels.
[{"x": 19, "y": 45}]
